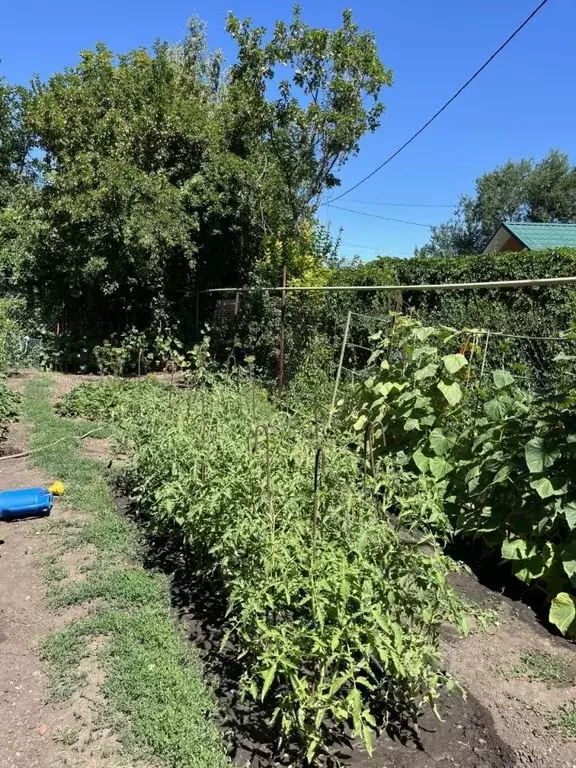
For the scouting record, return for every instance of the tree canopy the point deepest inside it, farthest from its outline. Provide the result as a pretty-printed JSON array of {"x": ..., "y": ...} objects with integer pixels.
[
  {"x": 526, "y": 190},
  {"x": 155, "y": 173}
]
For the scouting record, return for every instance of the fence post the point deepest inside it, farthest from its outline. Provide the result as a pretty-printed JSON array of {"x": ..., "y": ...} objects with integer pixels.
[
  {"x": 339, "y": 371},
  {"x": 282, "y": 333}
]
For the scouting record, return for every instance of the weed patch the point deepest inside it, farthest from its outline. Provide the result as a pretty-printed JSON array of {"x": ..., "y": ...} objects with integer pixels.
[
  {"x": 545, "y": 667},
  {"x": 564, "y": 721}
]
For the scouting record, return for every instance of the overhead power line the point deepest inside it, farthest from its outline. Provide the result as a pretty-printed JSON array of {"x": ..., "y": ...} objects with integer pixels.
[
  {"x": 400, "y": 205},
  {"x": 378, "y": 216},
  {"x": 357, "y": 245},
  {"x": 447, "y": 104}
]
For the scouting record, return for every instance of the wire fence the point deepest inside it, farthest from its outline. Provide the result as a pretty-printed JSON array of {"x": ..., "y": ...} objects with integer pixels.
[{"x": 521, "y": 325}]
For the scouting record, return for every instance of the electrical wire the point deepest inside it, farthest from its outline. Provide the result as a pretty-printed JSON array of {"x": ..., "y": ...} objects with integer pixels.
[
  {"x": 447, "y": 104},
  {"x": 378, "y": 216},
  {"x": 399, "y": 205},
  {"x": 357, "y": 245}
]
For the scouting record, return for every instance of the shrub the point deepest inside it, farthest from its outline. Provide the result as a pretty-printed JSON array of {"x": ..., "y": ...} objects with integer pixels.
[{"x": 9, "y": 408}]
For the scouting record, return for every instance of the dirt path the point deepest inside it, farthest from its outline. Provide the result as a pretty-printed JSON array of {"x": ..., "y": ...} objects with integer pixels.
[
  {"x": 33, "y": 732},
  {"x": 521, "y": 701}
]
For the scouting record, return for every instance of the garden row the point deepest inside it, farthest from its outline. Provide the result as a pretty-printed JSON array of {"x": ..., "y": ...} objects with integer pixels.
[
  {"x": 502, "y": 454},
  {"x": 335, "y": 619}
]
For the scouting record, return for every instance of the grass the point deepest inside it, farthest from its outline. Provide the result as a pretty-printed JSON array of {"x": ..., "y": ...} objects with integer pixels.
[
  {"x": 154, "y": 680},
  {"x": 67, "y": 736},
  {"x": 564, "y": 722},
  {"x": 544, "y": 667}
]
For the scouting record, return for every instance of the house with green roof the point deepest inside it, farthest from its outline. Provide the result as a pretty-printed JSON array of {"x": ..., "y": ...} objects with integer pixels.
[{"x": 531, "y": 236}]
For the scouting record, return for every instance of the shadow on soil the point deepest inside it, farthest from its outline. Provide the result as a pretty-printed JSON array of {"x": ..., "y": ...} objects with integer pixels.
[
  {"x": 465, "y": 736},
  {"x": 531, "y": 602}
]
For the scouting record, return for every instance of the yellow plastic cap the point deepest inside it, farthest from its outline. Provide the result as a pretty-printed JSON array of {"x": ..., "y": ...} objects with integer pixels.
[{"x": 57, "y": 488}]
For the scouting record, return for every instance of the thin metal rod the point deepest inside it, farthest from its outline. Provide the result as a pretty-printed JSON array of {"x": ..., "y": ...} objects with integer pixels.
[
  {"x": 359, "y": 346},
  {"x": 339, "y": 371},
  {"x": 282, "y": 333},
  {"x": 485, "y": 354},
  {"x": 397, "y": 288}
]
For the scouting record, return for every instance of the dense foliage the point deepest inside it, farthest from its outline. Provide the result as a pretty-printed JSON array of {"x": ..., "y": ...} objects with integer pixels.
[
  {"x": 9, "y": 408},
  {"x": 315, "y": 321},
  {"x": 9, "y": 400},
  {"x": 129, "y": 181},
  {"x": 335, "y": 619},
  {"x": 516, "y": 191},
  {"x": 501, "y": 454}
]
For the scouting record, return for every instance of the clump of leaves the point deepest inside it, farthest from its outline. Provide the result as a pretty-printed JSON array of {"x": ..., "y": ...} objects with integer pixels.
[
  {"x": 9, "y": 408},
  {"x": 565, "y": 721},
  {"x": 542, "y": 666},
  {"x": 501, "y": 456},
  {"x": 100, "y": 401}
]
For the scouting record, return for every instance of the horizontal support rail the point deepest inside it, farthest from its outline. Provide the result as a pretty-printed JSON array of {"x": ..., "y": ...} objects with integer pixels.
[{"x": 400, "y": 288}]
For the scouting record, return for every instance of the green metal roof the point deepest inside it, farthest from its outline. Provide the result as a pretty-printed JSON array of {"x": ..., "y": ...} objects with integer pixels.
[{"x": 541, "y": 236}]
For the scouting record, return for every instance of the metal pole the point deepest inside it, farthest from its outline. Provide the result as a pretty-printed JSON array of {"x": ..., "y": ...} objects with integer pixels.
[
  {"x": 403, "y": 288},
  {"x": 282, "y": 333},
  {"x": 339, "y": 371}
]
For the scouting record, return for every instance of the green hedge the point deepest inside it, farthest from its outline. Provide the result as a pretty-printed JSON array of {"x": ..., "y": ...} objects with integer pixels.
[
  {"x": 315, "y": 321},
  {"x": 534, "y": 311}
]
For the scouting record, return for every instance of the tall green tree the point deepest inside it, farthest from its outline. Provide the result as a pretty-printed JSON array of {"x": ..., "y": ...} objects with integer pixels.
[
  {"x": 16, "y": 182},
  {"x": 138, "y": 185},
  {"x": 311, "y": 93},
  {"x": 14, "y": 141},
  {"x": 516, "y": 191}
]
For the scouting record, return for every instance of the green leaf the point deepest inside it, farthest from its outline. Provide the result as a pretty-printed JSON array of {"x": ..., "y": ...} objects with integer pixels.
[
  {"x": 439, "y": 443},
  {"x": 421, "y": 461},
  {"x": 439, "y": 467},
  {"x": 495, "y": 409},
  {"x": 538, "y": 458},
  {"x": 451, "y": 392},
  {"x": 425, "y": 373},
  {"x": 543, "y": 487},
  {"x": 360, "y": 423},
  {"x": 268, "y": 680},
  {"x": 514, "y": 549},
  {"x": 570, "y": 514},
  {"x": 563, "y": 611},
  {"x": 453, "y": 363},
  {"x": 423, "y": 332},
  {"x": 502, "y": 378},
  {"x": 568, "y": 558},
  {"x": 502, "y": 474},
  {"x": 411, "y": 424}
]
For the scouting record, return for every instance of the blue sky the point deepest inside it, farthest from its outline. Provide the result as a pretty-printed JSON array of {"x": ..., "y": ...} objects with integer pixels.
[{"x": 520, "y": 107}]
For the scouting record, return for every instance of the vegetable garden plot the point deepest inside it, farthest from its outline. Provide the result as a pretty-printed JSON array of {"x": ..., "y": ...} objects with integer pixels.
[
  {"x": 335, "y": 614},
  {"x": 337, "y": 619}
]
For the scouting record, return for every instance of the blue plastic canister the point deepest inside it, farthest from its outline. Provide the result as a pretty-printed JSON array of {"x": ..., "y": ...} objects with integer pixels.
[{"x": 25, "y": 502}]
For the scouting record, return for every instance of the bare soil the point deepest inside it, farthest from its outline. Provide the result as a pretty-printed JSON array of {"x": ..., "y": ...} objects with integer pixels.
[
  {"x": 35, "y": 733},
  {"x": 521, "y": 707}
]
